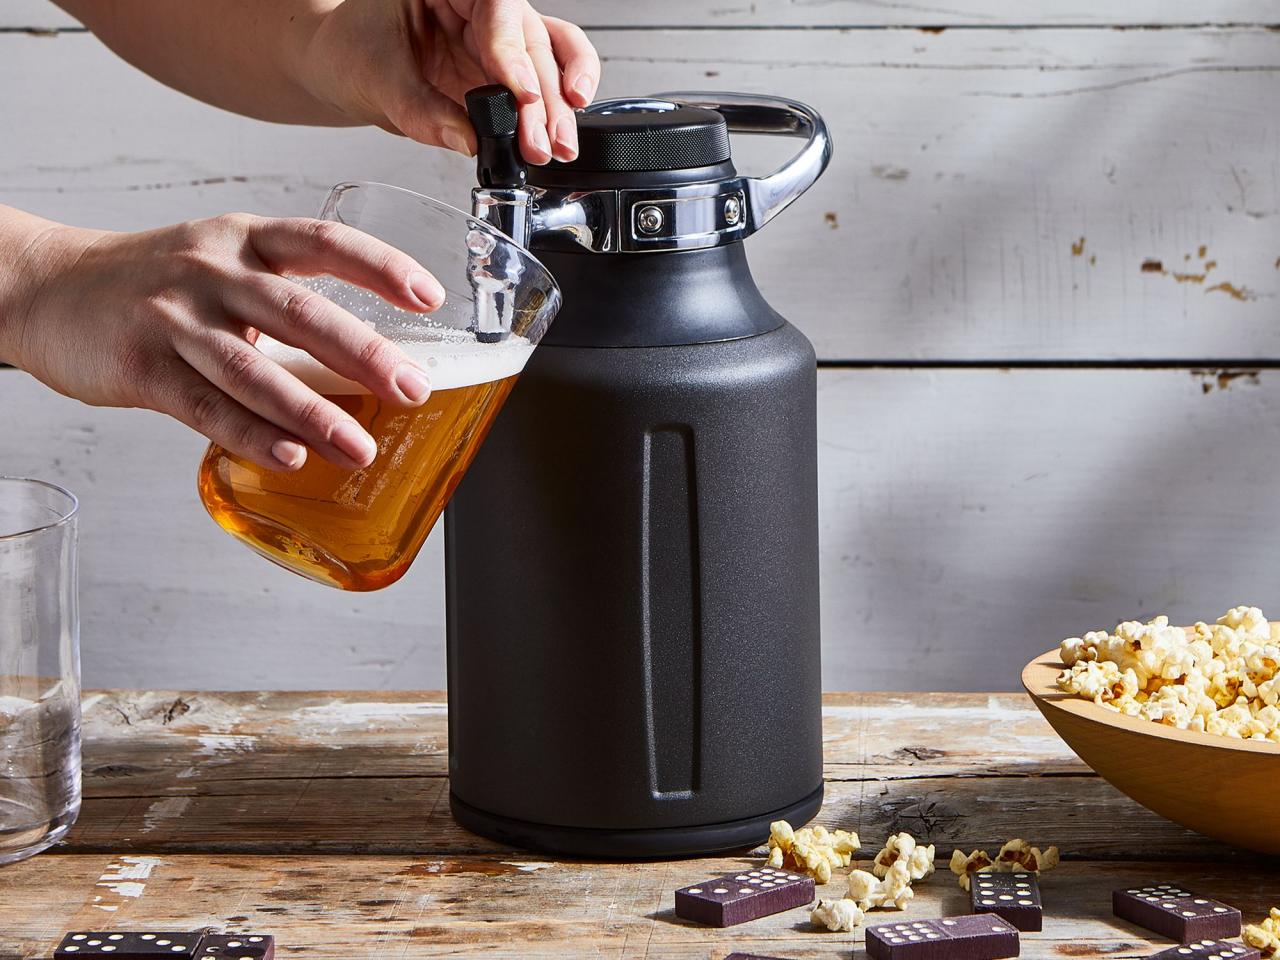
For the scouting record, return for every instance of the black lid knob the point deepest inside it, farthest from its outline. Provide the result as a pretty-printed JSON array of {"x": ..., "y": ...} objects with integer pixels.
[{"x": 493, "y": 114}]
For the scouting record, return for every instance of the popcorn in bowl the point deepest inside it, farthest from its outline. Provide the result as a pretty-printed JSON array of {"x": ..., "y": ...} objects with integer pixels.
[{"x": 1221, "y": 678}]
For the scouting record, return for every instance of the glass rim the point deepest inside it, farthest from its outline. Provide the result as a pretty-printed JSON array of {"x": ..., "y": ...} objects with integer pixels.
[
  {"x": 66, "y": 517},
  {"x": 453, "y": 211}
]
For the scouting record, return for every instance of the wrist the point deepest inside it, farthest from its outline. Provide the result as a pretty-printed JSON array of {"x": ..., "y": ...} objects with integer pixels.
[
  {"x": 309, "y": 63},
  {"x": 36, "y": 252}
]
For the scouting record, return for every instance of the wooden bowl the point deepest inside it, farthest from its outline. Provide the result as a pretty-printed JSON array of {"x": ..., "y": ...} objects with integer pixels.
[{"x": 1224, "y": 788}]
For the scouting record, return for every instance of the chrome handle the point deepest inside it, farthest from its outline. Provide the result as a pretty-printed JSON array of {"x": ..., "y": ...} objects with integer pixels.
[
  {"x": 684, "y": 216},
  {"x": 777, "y": 116}
]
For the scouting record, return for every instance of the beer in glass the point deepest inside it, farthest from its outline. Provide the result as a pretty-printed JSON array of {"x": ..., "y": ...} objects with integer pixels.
[{"x": 361, "y": 529}]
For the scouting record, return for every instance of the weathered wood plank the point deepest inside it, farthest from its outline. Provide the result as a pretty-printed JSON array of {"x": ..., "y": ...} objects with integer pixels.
[
  {"x": 504, "y": 906},
  {"x": 996, "y": 198},
  {"x": 762, "y": 13},
  {"x": 970, "y": 519},
  {"x": 350, "y": 773},
  {"x": 178, "y": 782},
  {"x": 206, "y": 737}
]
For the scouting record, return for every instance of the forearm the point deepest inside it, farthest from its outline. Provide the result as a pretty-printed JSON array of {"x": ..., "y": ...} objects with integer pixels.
[{"x": 241, "y": 55}]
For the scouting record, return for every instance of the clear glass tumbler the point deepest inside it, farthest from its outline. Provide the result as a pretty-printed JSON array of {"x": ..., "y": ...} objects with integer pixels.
[
  {"x": 360, "y": 530},
  {"x": 39, "y": 667}
]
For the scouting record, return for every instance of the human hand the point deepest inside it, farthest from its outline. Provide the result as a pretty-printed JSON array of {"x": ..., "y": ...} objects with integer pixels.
[
  {"x": 406, "y": 65},
  {"x": 167, "y": 320}
]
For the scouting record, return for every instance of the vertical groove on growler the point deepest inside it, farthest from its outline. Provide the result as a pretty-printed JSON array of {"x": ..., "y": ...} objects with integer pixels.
[{"x": 361, "y": 529}]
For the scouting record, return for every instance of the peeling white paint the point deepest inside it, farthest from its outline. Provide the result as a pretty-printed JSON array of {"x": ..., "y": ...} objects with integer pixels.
[
  {"x": 168, "y": 808},
  {"x": 212, "y": 744},
  {"x": 343, "y": 713},
  {"x": 528, "y": 866},
  {"x": 132, "y": 868},
  {"x": 127, "y": 878}
]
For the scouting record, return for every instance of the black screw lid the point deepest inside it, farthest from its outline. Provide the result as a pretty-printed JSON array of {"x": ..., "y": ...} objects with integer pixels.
[{"x": 638, "y": 140}]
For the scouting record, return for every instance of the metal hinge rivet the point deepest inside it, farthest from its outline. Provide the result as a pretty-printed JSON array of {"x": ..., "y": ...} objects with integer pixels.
[
  {"x": 649, "y": 219},
  {"x": 732, "y": 211}
]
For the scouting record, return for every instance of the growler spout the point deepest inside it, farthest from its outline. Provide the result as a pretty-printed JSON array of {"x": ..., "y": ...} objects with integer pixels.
[{"x": 501, "y": 200}]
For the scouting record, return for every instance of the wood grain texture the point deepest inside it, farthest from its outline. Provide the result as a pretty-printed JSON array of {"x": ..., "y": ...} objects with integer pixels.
[
  {"x": 969, "y": 519},
  {"x": 859, "y": 13},
  {"x": 251, "y": 773},
  {"x": 1227, "y": 787},
  {"x": 319, "y": 817},
  {"x": 995, "y": 199}
]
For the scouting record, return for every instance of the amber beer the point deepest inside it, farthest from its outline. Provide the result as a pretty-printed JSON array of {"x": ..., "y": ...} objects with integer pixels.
[{"x": 360, "y": 530}]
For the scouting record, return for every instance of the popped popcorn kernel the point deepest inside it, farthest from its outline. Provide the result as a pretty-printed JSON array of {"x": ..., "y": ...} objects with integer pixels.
[
  {"x": 816, "y": 850},
  {"x": 1221, "y": 678},
  {"x": 1019, "y": 855},
  {"x": 902, "y": 848},
  {"x": 840, "y": 916},
  {"x": 964, "y": 866},
  {"x": 1265, "y": 936},
  {"x": 892, "y": 890}
]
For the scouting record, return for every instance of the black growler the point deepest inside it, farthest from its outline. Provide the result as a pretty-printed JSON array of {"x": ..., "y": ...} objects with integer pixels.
[{"x": 632, "y": 558}]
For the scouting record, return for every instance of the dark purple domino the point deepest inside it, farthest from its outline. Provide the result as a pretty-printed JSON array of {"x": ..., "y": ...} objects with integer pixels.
[
  {"x": 251, "y": 946},
  {"x": 1176, "y": 913},
  {"x": 980, "y": 936},
  {"x": 739, "y": 897},
  {"x": 1208, "y": 950},
  {"x": 1014, "y": 896},
  {"x": 127, "y": 946},
  {"x": 114, "y": 945}
]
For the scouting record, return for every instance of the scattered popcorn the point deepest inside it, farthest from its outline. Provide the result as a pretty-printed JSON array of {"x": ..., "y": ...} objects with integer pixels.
[
  {"x": 837, "y": 915},
  {"x": 965, "y": 866},
  {"x": 1222, "y": 678},
  {"x": 1018, "y": 855},
  {"x": 1015, "y": 856},
  {"x": 893, "y": 890},
  {"x": 814, "y": 850},
  {"x": 1265, "y": 936},
  {"x": 902, "y": 848}
]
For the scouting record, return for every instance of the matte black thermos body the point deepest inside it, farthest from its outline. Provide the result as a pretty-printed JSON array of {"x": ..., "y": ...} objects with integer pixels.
[{"x": 632, "y": 563}]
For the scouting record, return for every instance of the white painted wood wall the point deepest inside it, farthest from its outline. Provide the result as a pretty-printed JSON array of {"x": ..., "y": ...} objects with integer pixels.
[{"x": 1024, "y": 434}]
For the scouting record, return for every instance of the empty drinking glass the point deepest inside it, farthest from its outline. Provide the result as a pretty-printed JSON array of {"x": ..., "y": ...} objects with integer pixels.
[{"x": 39, "y": 667}]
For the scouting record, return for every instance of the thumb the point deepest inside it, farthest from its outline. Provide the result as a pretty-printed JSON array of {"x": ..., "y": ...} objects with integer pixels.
[{"x": 434, "y": 119}]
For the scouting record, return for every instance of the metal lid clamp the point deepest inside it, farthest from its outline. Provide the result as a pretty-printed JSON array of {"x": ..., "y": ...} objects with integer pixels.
[{"x": 685, "y": 216}]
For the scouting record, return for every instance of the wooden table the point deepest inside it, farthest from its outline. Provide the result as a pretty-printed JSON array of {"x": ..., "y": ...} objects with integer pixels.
[{"x": 323, "y": 818}]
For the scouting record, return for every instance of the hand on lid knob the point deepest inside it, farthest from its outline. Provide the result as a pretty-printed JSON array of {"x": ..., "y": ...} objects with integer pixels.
[{"x": 406, "y": 65}]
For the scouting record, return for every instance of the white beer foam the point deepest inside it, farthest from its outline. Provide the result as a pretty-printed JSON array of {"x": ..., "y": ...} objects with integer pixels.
[{"x": 449, "y": 364}]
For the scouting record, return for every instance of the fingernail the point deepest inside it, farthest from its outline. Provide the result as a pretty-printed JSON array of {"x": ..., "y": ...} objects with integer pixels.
[
  {"x": 350, "y": 438},
  {"x": 426, "y": 289},
  {"x": 456, "y": 142},
  {"x": 567, "y": 135},
  {"x": 291, "y": 454},
  {"x": 585, "y": 87},
  {"x": 528, "y": 80},
  {"x": 412, "y": 382},
  {"x": 540, "y": 141}
]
